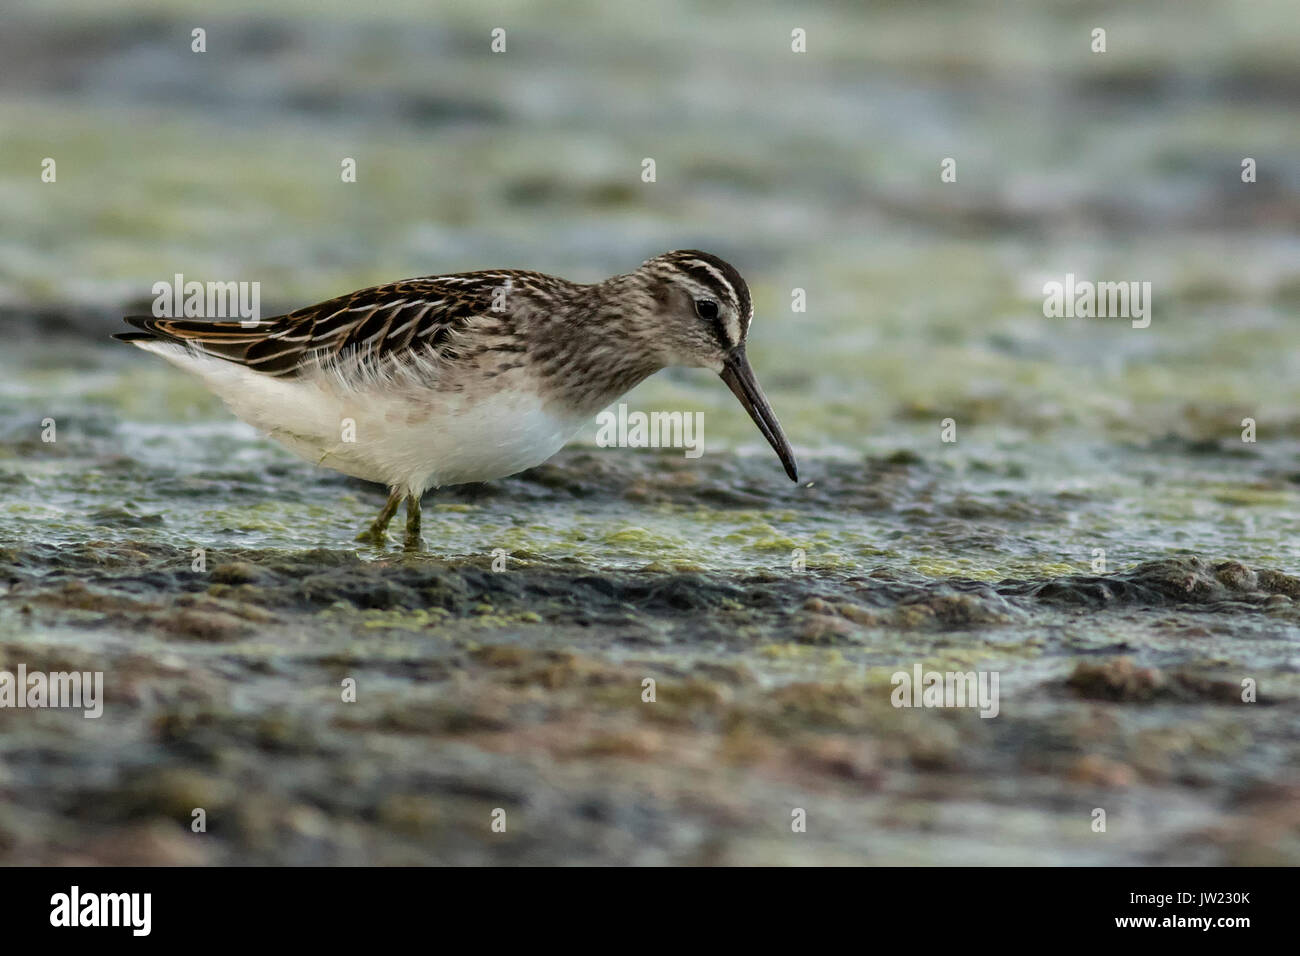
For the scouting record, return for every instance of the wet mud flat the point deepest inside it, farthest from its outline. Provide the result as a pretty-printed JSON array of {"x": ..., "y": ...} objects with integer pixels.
[{"x": 524, "y": 689}]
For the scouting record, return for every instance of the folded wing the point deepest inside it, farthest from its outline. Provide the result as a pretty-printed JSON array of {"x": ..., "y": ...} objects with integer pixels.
[{"x": 417, "y": 317}]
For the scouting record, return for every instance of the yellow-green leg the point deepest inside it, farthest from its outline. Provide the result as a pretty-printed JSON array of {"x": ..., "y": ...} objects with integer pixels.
[
  {"x": 413, "y": 542},
  {"x": 377, "y": 533}
]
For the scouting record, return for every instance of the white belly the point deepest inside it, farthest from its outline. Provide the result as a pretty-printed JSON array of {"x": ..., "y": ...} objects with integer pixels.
[{"x": 413, "y": 439}]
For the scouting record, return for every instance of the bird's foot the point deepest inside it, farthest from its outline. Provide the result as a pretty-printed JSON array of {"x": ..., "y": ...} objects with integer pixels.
[
  {"x": 377, "y": 534},
  {"x": 374, "y": 536}
]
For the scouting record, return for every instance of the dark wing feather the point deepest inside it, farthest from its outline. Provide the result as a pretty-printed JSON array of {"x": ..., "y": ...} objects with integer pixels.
[{"x": 388, "y": 321}]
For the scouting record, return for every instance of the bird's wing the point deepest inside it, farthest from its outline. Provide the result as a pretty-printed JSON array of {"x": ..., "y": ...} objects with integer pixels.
[{"x": 399, "y": 320}]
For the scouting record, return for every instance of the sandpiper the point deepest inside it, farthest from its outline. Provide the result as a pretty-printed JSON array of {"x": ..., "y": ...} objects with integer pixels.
[{"x": 469, "y": 377}]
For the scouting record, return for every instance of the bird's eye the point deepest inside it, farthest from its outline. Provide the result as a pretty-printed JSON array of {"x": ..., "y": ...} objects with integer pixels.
[{"x": 706, "y": 309}]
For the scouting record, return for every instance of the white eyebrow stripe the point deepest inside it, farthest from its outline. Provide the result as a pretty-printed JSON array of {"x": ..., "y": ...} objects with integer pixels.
[{"x": 722, "y": 280}]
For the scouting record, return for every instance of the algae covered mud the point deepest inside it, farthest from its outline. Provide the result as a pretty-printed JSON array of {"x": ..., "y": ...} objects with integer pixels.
[
  {"x": 635, "y": 655},
  {"x": 212, "y": 580}
]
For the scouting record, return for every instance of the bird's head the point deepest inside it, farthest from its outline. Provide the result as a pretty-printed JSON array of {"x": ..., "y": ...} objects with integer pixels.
[{"x": 701, "y": 318}]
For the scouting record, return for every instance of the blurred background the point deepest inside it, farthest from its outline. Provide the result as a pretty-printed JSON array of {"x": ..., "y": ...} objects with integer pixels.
[{"x": 817, "y": 171}]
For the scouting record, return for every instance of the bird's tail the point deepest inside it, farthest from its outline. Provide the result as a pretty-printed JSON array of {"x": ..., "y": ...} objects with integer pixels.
[{"x": 222, "y": 339}]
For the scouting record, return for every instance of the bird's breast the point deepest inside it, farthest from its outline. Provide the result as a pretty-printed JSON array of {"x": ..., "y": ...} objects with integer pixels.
[{"x": 466, "y": 438}]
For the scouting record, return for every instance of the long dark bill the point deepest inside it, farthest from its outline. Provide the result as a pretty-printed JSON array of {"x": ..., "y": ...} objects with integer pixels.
[{"x": 740, "y": 379}]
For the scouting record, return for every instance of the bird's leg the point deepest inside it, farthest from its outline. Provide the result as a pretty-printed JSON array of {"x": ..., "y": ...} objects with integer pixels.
[
  {"x": 413, "y": 542},
  {"x": 378, "y": 529}
]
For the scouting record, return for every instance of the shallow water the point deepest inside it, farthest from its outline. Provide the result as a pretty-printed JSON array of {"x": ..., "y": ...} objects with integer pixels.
[{"x": 521, "y": 688}]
